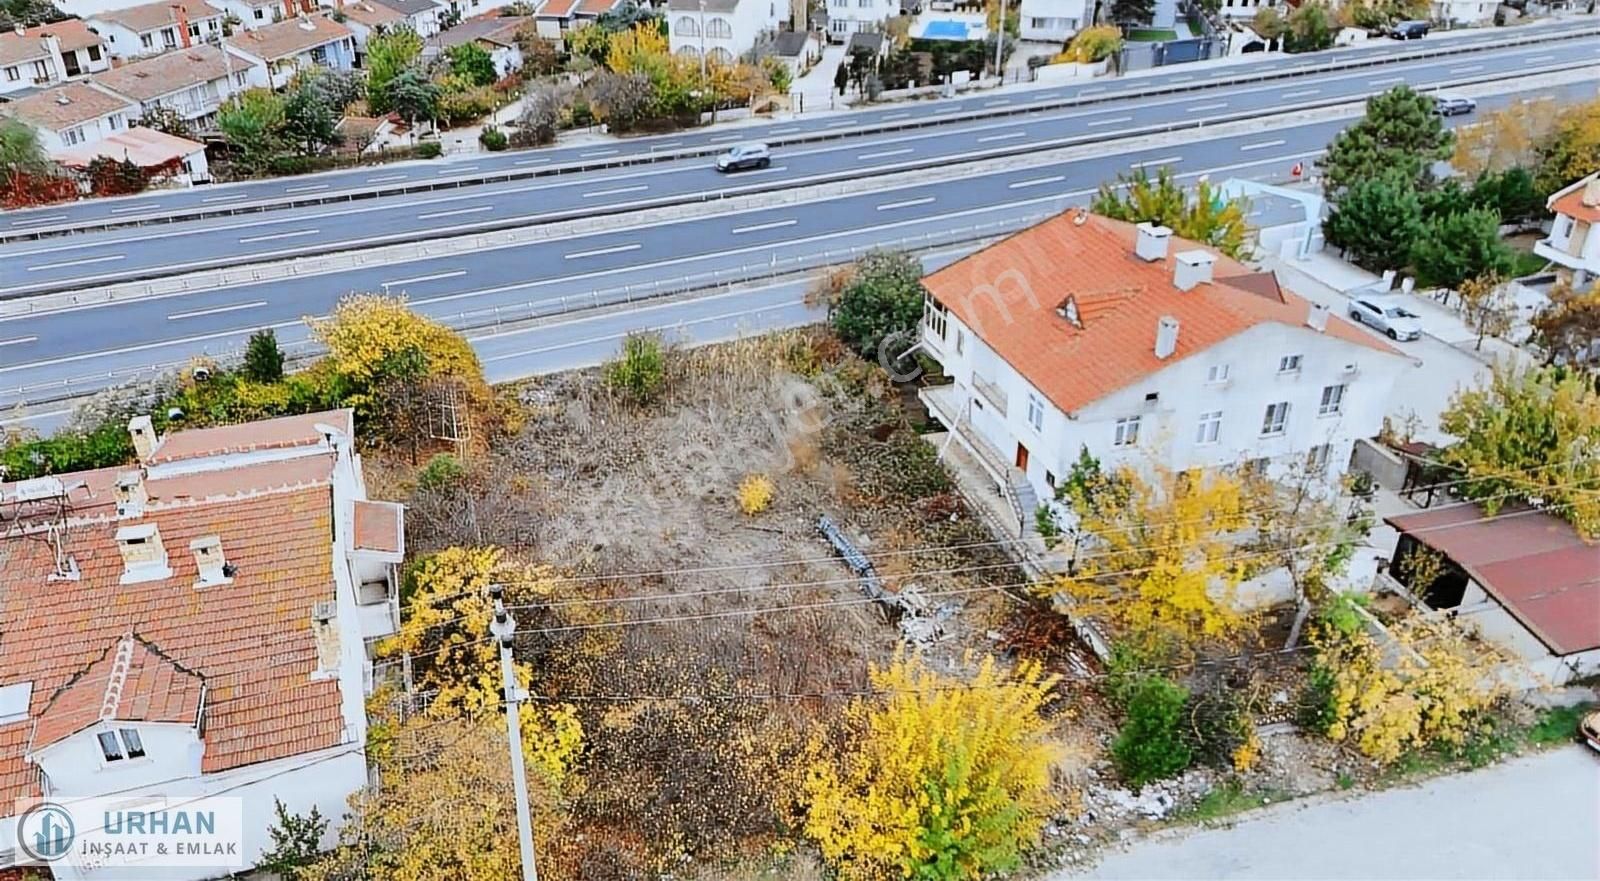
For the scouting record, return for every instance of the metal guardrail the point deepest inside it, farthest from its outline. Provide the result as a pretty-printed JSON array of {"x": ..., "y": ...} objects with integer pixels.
[
  {"x": 721, "y": 194},
  {"x": 1025, "y": 107},
  {"x": 490, "y": 319}
]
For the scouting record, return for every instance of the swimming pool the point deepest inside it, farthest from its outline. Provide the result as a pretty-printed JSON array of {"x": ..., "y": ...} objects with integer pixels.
[{"x": 945, "y": 30}]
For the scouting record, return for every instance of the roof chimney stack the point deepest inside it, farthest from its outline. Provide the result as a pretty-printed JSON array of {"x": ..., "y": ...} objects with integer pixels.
[
  {"x": 132, "y": 497},
  {"x": 143, "y": 557},
  {"x": 1591, "y": 192},
  {"x": 209, "y": 561},
  {"x": 1317, "y": 317},
  {"x": 145, "y": 439},
  {"x": 1193, "y": 268},
  {"x": 1166, "y": 337},
  {"x": 1151, "y": 244}
]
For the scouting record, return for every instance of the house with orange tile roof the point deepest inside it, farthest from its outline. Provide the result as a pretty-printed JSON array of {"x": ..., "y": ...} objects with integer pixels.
[
  {"x": 1574, "y": 240},
  {"x": 161, "y": 26},
  {"x": 195, "y": 625},
  {"x": 73, "y": 114},
  {"x": 35, "y": 57},
  {"x": 1089, "y": 333},
  {"x": 277, "y": 51}
]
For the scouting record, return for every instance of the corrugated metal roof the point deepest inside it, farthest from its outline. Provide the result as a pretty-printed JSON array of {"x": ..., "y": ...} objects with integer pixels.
[{"x": 1533, "y": 563}]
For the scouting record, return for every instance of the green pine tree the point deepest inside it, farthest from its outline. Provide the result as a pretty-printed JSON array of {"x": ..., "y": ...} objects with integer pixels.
[
  {"x": 1399, "y": 133},
  {"x": 1376, "y": 221}
]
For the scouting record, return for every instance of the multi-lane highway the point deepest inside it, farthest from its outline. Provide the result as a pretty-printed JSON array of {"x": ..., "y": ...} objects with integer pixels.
[
  {"x": 140, "y": 252},
  {"x": 155, "y": 204},
  {"x": 80, "y": 348}
]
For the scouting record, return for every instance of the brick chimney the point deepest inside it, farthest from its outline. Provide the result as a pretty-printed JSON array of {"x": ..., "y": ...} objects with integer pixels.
[
  {"x": 209, "y": 561},
  {"x": 180, "y": 13},
  {"x": 1591, "y": 192},
  {"x": 143, "y": 556},
  {"x": 132, "y": 497}
]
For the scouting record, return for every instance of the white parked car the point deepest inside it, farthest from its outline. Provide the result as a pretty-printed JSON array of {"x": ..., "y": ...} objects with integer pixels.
[{"x": 1387, "y": 313}]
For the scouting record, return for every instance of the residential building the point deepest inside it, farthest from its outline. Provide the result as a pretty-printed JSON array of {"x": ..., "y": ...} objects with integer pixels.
[
  {"x": 1459, "y": 13},
  {"x": 39, "y": 57},
  {"x": 1084, "y": 332},
  {"x": 253, "y": 14},
  {"x": 1523, "y": 578},
  {"x": 73, "y": 113},
  {"x": 277, "y": 51},
  {"x": 168, "y": 159},
  {"x": 798, "y": 50},
  {"x": 1246, "y": 9},
  {"x": 421, "y": 15},
  {"x": 846, "y": 17},
  {"x": 555, "y": 17},
  {"x": 197, "y": 624},
  {"x": 153, "y": 28},
  {"x": 1574, "y": 240},
  {"x": 193, "y": 83},
  {"x": 1052, "y": 21},
  {"x": 497, "y": 35},
  {"x": 722, "y": 30},
  {"x": 465, "y": 9},
  {"x": 364, "y": 19}
]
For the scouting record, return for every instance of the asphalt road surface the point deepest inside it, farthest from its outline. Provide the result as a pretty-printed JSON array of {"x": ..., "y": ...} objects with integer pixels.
[
  {"x": 158, "y": 203},
  {"x": 90, "y": 258},
  {"x": 1534, "y": 818}
]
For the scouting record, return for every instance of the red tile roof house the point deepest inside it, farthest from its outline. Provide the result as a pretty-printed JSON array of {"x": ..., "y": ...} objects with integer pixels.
[
  {"x": 1574, "y": 240},
  {"x": 1524, "y": 578},
  {"x": 32, "y": 58},
  {"x": 1142, "y": 347},
  {"x": 196, "y": 624}
]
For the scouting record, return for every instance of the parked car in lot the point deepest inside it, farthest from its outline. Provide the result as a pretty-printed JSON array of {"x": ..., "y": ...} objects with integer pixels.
[
  {"x": 1453, "y": 105},
  {"x": 1409, "y": 30},
  {"x": 745, "y": 156},
  {"x": 1386, "y": 314},
  {"x": 1589, "y": 731}
]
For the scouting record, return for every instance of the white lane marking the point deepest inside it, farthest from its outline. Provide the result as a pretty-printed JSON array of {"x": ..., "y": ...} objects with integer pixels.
[
  {"x": 456, "y": 169},
  {"x": 217, "y": 310},
  {"x": 720, "y": 139},
  {"x": 386, "y": 178},
  {"x": 1386, "y": 81},
  {"x": 1038, "y": 181},
  {"x": 453, "y": 212},
  {"x": 1112, "y": 121},
  {"x": 1215, "y": 105},
  {"x": 948, "y": 108},
  {"x": 1091, "y": 91},
  {"x": 1261, "y": 146},
  {"x": 740, "y": 230},
  {"x": 87, "y": 260},
  {"x": 838, "y": 122},
  {"x": 1180, "y": 79},
  {"x": 890, "y": 206},
  {"x": 615, "y": 249},
  {"x": 19, "y": 341},
  {"x": 593, "y": 153},
  {"x": 530, "y": 161},
  {"x": 1538, "y": 58},
  {"x": 1004, "y": 137},
  {"x": 422, "y": 278},
  {"x": 784, "y": 131},
  {"x": 666, "y": 145},
  {"x": 889, "y": 116},
  {"x": 127, "y": 208},
  {"x": 1471, "y": 68},
  {"x": 32, "y": 220},
  {"x": 279, "y": 235},
  {"x": 615, "y": 191},
  {"x": 1299, "y": 93},
  {"x": 882, "y": 153},
  {"x": 228, "y": 198},
  {"x": 305, "y": 188},
  {"x": 1170, "y": 160},
  {"x": 997, "y": 102}
]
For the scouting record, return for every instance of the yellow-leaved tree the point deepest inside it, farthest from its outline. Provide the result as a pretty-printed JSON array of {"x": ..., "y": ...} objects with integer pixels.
[
  {"x": 937, "y": 778},
  {"x": 641, "y": 48},
  {"x": 445, "y": 629},
  {"x": 1156, "y": 555}
]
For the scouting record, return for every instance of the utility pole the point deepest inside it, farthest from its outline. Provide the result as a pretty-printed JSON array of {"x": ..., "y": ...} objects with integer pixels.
[
  {"x": 999, "y": 43},
  {"x": 504, "y": 627}
]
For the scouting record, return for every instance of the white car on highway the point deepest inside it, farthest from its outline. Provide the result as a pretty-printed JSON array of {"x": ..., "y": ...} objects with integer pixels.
[{"x": 1388, "y": 314}]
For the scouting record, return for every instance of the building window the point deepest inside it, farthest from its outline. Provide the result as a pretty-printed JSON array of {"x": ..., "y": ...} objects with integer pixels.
[
  {"x": 687, "y": 26},
  {"x": 124, "y": 743},
  {"x": 719, "y": 29},
  {"x": 1210, "y": 427},
  {"x": 258, "y": 15},
  {"x": 116, "y": 123},
  {"x": 1276, "y": 420},
  {"x": 1050, "y": 479},
  {"x": 1217, "y": 373},
  {"x": 1127, "y": 432},
  {"x": 72, "y": 137},
  {"x": 1317, "y": 458},
  {"x": 719, "y": 55},
  {"x": 145, "y": 41},
  {"x": 94, "y": 53},
  {"x": 110, "y": 747},
  {"x": 1332, "y": 400},
  {"x": 936, "y": 315},
  {"x": 961, "y": 340},
  {"x": 1289, "y": 364},
  {"x": 1035, "y": 413},
  {"x": 41, "y": 71},
  {"x": 12, "y": 74}
]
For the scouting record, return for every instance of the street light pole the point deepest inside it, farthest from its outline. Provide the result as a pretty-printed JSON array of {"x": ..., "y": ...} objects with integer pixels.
[
  {"x": 503, "y": 627},
  {"x": 999, "y": 43}
]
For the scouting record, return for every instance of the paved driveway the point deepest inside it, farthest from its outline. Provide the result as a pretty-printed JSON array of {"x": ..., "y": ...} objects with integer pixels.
[{"x": 1534, "y": 818}]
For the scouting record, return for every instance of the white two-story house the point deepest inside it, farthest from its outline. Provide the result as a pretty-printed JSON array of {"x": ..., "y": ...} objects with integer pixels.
[
  {"x": 153, "y": 28},
  {"x": 1084, "y": 332},
  {"x": 1574, "y": 240},
  {"x": 722, "y": 30},
  {"x": 198, "y": 626},
  {"x": 277, "y": 51},
  {"x": 846, "y": 17},
  {"x": 192, "y": 82},
  {"x": 1052, "y": 21},
  {"x": 422, "y": 16},
  {"x": 42, "y": 56},
  {"x": 72, "y": 114}
]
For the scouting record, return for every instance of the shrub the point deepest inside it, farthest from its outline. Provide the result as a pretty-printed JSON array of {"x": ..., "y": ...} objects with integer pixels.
[
  {"x": 882, "y": 300},
  {"x": 640, "y": 371},
  {"x": 263, "y": 360},
  {"x": 441, "y": 471},
  {"x": 755, "y": 494},
  {"x": 1151, "y": 745},
  {"x": 1092, "y": 44},
  {"x": 493, "y": 139}
]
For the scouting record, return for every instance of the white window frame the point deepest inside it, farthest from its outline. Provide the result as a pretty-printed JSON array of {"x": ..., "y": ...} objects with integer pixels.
[
  {"x": 1290, "y": 364},
  {"x": 1209, "y": 429},
  {"x": 1216, "y": 374},
  {"x": 1126, "y": 433},
  {"x": 1035, "y": 412},
  {"x": 1317, "y": 458},
  {"x": 126, "y": 742},
  {"x": 936, "y": 315},
  {"x": 1275, "y": 421},
  {"x": 1332, "y": 403}
]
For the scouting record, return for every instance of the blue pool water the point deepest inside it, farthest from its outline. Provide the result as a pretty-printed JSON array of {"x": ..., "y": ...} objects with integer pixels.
[{"x": 945, "y": 30}]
